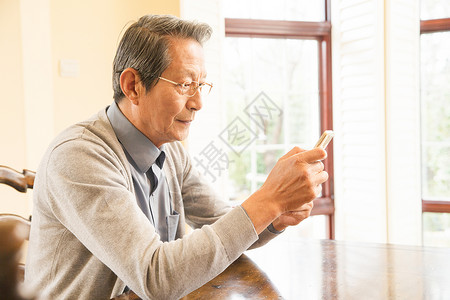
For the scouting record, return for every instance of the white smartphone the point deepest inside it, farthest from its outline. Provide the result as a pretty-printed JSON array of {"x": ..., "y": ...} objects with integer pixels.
[{"x": 325, "y": 139}]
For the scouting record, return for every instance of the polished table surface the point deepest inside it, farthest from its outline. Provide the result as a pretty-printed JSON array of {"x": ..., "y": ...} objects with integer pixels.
[{"x": 297, "y": 268}]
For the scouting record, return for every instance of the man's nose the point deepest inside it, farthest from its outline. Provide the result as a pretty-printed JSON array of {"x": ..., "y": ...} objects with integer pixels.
[{"x": 195, "y": 102}]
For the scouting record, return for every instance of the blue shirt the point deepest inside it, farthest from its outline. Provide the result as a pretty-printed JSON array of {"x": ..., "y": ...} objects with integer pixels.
[{"x": 142, "y": 154}]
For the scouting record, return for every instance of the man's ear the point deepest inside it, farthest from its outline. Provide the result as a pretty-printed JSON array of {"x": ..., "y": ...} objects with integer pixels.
[{"x": 130, "y": 83}]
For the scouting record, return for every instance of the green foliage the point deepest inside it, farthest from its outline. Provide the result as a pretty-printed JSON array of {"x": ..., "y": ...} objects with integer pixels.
[
  {"x": 436, "y": 229},
  {"x": 437, "y": 176}
]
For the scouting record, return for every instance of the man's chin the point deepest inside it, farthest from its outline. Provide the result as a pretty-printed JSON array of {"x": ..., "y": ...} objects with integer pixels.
[{"x": 181, "y": 136}]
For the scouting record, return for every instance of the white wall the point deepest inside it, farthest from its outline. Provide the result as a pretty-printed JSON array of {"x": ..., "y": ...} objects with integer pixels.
[
  {"x": 12, "y": 109},
  {"x": 404, "y": 207}
]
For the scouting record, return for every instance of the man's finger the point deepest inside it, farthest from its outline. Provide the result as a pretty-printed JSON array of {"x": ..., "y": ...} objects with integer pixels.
[
  {"x": 313, "y": 155},
  {"x": 295, "y": 150},
  {"x": 321, "y": 177},
  {"x": 304, "y": 207},
  {"x": 317, "y": 167}
]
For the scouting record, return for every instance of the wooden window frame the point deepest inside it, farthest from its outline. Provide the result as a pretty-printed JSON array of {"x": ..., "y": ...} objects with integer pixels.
[
  {"x": 432, "y": 26},
  {"x": 320, "y": 31}
]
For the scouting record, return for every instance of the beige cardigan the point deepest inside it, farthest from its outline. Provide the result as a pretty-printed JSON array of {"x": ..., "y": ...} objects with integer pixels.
[{"x": 89, "y": 239}]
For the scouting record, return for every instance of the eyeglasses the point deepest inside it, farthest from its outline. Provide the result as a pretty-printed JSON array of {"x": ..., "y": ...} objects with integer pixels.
[{"x": 190, "y": 88}]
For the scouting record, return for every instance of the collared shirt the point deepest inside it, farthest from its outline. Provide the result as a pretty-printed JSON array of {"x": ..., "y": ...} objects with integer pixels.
[{"x": 142, "y": 154}]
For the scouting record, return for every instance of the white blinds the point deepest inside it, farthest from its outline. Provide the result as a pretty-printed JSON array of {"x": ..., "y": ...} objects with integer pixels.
[{"x": 375, "y": 78}]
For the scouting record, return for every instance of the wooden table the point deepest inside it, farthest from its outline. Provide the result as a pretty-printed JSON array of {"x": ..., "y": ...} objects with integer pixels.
[{"x": 326, "y": 269}]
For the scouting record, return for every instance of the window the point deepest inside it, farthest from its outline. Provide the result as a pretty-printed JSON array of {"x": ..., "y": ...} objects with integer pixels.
[
  {"x": 435, "y": 121},
  {"x": 288, "y": 10},
  {"x": 277, "y": 89}
]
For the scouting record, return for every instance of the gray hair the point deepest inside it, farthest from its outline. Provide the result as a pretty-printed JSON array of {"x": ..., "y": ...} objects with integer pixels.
[{"x": 145, "y": 44}]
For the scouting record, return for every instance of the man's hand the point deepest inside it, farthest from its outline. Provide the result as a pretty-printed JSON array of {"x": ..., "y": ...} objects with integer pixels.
[
  {"x": 292, "y": 218},
  {"x": 296, "y": 178},
  {"x": 294, "y": 181}
]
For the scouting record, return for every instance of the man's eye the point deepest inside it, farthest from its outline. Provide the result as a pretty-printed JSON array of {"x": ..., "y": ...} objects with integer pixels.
[{"x": 186, "y": 84}]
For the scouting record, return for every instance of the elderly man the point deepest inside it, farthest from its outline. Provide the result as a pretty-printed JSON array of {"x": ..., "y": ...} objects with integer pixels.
[{"x": 113, "y": 193}]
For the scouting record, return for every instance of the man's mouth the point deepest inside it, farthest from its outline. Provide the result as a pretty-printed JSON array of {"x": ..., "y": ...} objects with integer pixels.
[{"x": 185, "y": 121}]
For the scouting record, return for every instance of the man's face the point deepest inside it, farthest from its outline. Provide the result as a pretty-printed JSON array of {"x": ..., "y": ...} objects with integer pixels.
[{"x": 163, "y": 114}]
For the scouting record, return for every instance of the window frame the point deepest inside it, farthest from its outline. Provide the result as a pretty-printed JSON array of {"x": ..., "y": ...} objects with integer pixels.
[
  {"x": 433, "y": 26},
  {"x": 320, "y": 31}
]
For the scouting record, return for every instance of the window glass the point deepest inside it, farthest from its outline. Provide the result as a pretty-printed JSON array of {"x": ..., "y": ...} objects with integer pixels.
[
  {"x": 271, "y": 91},
  {"x": 436, "y": 229},
  {"x": 435, "y": 115},
  {"x": 292, "y": 10},
  {"x": 434, "y": 9}
]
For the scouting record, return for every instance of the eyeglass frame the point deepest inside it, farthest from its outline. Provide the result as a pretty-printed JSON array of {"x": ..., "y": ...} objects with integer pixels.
[{"x": 199, "y": 85}]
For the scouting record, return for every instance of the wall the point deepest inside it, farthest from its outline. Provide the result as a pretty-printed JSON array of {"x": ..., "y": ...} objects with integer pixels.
[
  {"x": 37, "y": 102},
  {"x": 12, "y": 125},
  {"x": 88, "y": 31},
  {"x": 404, "y": 205}
]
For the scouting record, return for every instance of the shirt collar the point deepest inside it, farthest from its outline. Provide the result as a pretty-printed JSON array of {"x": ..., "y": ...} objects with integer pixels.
[{"x": 143, "y": 152}]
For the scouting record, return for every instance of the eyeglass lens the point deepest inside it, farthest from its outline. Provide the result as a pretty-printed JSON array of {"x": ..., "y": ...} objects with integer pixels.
[{"x": 203, "y": 89}]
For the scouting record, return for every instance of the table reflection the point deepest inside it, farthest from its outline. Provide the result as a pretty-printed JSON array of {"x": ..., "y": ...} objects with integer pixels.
[
  {"x": 294, "y": 268},
  {"x": 325, "y": 269}
]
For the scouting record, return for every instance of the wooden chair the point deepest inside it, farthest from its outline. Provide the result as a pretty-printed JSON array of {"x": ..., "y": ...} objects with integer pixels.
[
  {"x": 21, "y": 182},
  {"x": 13, "y": 232}
]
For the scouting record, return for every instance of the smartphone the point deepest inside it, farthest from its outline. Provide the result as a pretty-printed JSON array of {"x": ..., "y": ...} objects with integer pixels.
[{"x": 325, "y": 139}]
